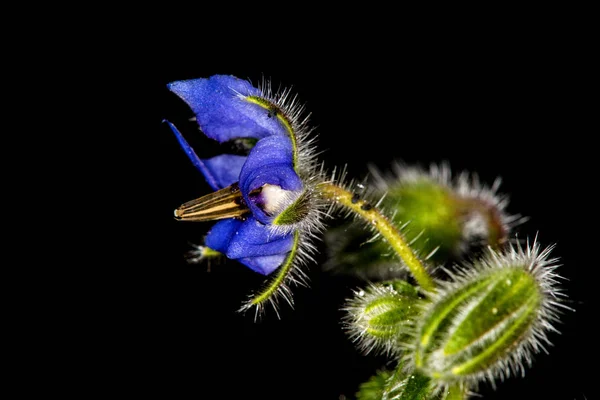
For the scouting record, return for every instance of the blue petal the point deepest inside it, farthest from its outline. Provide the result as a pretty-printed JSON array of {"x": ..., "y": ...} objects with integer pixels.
[
  {"x": 188, "y": 150},
  {"x": 221, "y": 111},
  {"x": 254, "y": 239},
  {"x": 224, "y": 170},
  {"x": 221, "y": 234},
  {"x": 270, "y": 161},
  {"x": 220, "y": 171},
  {"x": 264, "y": 265},
  {"x": 250, "y": 243}
]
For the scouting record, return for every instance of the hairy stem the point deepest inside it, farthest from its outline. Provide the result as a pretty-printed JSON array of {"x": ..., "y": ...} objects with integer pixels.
[{"x": 383, "y": 225}]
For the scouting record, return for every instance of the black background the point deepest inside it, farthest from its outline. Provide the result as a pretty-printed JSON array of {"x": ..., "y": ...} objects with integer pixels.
[{"x": 517, "y": 108}]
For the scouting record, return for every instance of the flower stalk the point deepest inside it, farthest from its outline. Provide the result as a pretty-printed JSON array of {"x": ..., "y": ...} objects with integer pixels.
[{"x": 382, "y": 224}]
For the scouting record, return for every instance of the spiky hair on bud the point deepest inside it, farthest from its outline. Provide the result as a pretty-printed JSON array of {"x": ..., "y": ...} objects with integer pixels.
[
  {"x": 490, "y": 319},
  {"x": 302, "y": 215},
  {"x": 380, "y": 318}
]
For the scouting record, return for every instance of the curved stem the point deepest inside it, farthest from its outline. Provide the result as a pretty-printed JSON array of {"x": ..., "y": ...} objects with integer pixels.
[{"x": 381, "y": 224}]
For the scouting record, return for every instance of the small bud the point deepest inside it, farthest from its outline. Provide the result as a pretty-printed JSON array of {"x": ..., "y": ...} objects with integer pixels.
[
  {"x": 490, "y": 319},
  {"x": 379, "y": 317}
]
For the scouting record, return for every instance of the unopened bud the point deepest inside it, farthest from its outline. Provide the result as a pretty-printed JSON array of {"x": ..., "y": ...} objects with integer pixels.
[
  {"x": 380, "y": 316},
  {"x": 490, "y": 319}
]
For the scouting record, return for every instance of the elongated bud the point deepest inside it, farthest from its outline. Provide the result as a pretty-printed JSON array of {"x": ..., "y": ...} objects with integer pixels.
[
  {"x": 379, "y": 317},
  {"x": 490, "y": 319}
]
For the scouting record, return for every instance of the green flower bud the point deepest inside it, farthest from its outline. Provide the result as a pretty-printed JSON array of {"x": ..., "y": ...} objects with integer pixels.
[
  {"x": 489, "y": 319},
  {"x": 447, "y": 218},
  {"x": 443, "y": 218},
  {"x": 379, "y": 317}
]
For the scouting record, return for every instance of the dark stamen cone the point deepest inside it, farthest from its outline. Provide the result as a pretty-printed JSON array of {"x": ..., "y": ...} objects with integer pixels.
[{"x": 225, "y": 203}]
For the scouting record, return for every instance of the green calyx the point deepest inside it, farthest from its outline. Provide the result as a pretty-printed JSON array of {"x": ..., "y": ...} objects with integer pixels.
[
  {"x": 477, "y": 323},
  {"x": 295, "y": 212}
]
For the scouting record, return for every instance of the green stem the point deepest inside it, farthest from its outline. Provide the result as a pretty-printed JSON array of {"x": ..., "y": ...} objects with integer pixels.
[{"x": 381, "y": 224}]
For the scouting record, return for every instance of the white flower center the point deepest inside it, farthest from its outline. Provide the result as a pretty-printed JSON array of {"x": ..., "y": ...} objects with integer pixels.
[{"x": 276, "y": 199}]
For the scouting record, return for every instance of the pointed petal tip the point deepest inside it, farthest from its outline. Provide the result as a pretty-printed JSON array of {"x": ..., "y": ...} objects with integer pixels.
[
  {"x": 171, "y": 85},
  {"x": 180, "y": 88},
  {"x": 170, "y": 125}
]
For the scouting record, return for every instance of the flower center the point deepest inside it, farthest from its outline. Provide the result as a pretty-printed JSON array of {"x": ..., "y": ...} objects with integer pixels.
[{"x": 274, "y": 199}]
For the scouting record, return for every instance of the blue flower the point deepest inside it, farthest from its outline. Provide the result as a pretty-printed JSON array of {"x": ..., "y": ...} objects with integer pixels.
[{"x": 260, "y": 199}]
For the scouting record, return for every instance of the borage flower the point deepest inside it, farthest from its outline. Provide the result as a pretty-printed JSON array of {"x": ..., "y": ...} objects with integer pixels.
[{"x": 266, "y": 201}]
